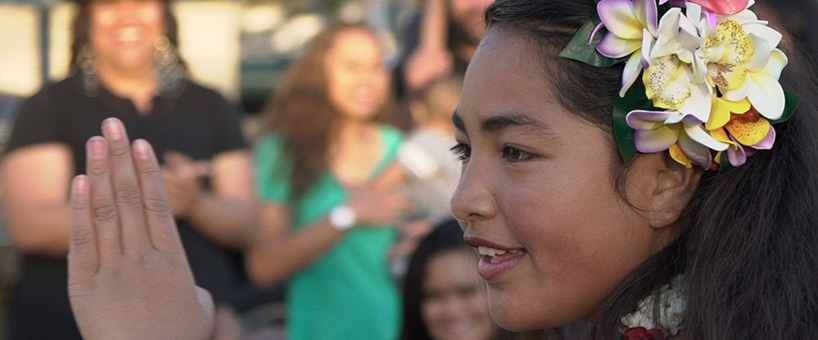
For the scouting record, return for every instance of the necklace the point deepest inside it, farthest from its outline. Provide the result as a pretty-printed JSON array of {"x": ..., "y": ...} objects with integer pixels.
[{"x": 669, "y": 300}]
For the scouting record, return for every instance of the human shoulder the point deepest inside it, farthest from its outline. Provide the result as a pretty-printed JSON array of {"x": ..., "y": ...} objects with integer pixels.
[
  {"x": 59, "y": 91},
  {"x": 268, "y": 147},
  {"x": 205, "y": 99},
  {"x": 211, "y": 106},
  {"x": 60, "y": 99},
  {"x": 270, "y": 138},
  {"x": 46, "y": 116},
  {"x": 195, "y": 89}
]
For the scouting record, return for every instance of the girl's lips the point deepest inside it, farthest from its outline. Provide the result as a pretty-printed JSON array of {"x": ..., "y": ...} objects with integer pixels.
[
  {"x": 494, "y": 265},
  {"x": 492, "y": 268},
  {"x": 476, "y": 242}
]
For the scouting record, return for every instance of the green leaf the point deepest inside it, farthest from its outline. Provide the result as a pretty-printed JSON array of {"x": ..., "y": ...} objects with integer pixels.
[
  {"x": 634, "y": 99},
  {"x": 725, "y": 161},
  {"x": 579, "y": 49},
  {"x": 791, "y": 101}
]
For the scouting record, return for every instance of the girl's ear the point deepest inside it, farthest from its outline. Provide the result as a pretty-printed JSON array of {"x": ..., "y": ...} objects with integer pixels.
[{"x": 664, "y": 186}]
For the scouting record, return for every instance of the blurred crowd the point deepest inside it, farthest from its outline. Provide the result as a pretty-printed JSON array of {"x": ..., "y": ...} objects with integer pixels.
[{"x": 318, "y": 210}]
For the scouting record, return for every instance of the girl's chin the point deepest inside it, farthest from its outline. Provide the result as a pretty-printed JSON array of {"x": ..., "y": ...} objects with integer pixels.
[
  {"x": 361, "y": 116},
  {"x": 509, "y": 315}
]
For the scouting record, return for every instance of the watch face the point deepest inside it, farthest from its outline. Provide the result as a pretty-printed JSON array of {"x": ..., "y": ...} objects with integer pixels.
[{"x": 342, "y": 218}]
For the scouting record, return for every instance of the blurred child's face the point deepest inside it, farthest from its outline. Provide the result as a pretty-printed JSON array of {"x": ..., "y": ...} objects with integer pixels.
[
  {"x": 454, "y": 298},
  {"x": 536, "y": 185},
  {"x": 124, "y": 32},
  {"x": 358, "y": 80}
]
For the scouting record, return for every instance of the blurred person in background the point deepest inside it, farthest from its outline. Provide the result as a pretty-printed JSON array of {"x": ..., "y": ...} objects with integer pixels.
[
  {"x": 125, "y": 65},
  {"x": 433, "y": 133},
  {"x": 444, "y": 297},
  {"x": 328, "y": 208},
  {"x": 440, "y": 42},
  {"x": 433, "y": 170}
]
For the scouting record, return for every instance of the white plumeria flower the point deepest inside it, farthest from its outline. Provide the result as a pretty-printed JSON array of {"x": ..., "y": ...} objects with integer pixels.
[
  {"x": 675, "y": 79},
  {"x": 632, "y": 28},
  {"x": 744, "y": 62}
]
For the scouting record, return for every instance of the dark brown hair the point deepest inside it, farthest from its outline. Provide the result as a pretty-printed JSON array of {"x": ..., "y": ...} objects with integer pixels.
[
  {"x": 748, "y": 240},
  {"x": 304, "y": 113}
]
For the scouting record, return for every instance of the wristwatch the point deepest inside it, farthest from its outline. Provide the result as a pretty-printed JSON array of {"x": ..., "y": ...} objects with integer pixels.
[{"x": 342, "y": 218}]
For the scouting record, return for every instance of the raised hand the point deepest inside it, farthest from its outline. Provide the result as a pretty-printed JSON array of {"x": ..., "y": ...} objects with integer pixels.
[
  {"x": 182, "y": 177},
  {"x": 379, "y": 206},
  {"x": 426, "y": 64},
  {"x": 128, "y": 277}
]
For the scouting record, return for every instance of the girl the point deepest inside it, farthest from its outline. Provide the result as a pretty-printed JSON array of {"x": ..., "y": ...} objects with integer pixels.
[{"x": 328, "y": 214}]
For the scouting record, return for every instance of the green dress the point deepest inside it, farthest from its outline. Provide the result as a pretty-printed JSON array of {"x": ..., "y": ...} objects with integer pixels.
[{"x": 348, "y": 293}]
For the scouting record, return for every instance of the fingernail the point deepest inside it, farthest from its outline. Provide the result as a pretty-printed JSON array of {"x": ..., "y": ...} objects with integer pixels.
[
  {"x": 141, "y": 149},
  {"x": 112, "y": 129},
  {"x": 96, "y": 147},
  {"x": 80, "y": 184}
]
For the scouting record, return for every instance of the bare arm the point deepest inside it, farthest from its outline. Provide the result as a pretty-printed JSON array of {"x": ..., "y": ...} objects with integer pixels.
[
  {"x": 227, "y": 214},
  {"x": 279, "y": 252},
  {"x": 35, "y": 182},
  {"x": 434, "y": 25},
  {"x": 430, "y": 59}
]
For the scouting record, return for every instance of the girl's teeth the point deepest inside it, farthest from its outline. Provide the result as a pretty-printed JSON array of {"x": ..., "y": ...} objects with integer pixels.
[{"x": 483, "y": 250}]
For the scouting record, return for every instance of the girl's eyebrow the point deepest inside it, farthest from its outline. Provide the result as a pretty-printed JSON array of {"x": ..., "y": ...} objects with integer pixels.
[
  {"x": 504, "y": 121},
  {"x": 499, "y": 122}
]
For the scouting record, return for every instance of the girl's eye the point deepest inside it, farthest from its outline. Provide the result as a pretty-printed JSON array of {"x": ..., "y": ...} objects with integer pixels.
[
  {"x": 513, "y": 154},
  {"x": 462, "y": 151}
]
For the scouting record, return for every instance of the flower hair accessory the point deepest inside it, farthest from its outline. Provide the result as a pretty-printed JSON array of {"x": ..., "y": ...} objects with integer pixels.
[{"x": 709, "y": 91}]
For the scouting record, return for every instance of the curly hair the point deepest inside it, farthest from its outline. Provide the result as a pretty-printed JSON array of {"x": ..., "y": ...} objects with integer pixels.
[{"x": 302, "y": 110}]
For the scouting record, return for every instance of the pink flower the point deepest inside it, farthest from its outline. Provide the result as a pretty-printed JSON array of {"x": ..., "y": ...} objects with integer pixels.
[{"x": 722, "y": 7}]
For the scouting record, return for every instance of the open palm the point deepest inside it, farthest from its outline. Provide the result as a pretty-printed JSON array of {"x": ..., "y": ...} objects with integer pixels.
[{"x": 128, "y": 277}]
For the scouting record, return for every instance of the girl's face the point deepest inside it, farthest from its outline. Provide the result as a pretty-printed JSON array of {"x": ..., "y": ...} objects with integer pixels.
[
  {"x": 358, "y": 80},
  {"x": 537, "y": 185},
  {"x": 124, "y": 32},
  {"x": 454, "y": 298}
]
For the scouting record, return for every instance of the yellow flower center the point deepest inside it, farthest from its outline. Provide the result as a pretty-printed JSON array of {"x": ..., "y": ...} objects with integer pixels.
[
  {"x": 726, "y": 52},
  {"x": 667, "y": 82}
]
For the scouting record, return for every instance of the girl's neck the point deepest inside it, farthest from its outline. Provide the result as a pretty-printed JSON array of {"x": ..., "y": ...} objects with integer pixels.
[
  {"x": 355, "y": 153},
  {"x": 140, "y": 86},
  {"x": 353, "y": 131}
]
